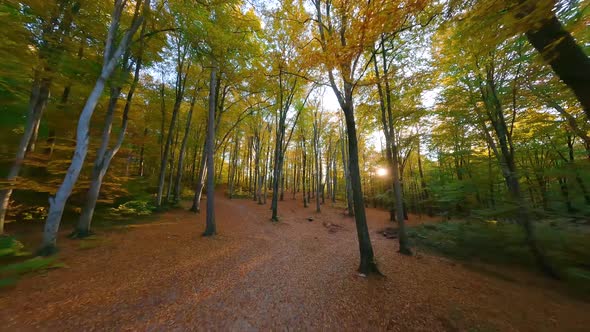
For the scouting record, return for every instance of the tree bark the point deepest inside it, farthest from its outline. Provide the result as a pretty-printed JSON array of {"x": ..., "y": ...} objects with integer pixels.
[
  {"x": 179, "y": 169},
  {"x": 111, "y": 58},
  {"x": 180, "y": 88},
  {"x": 567, "y": 59},
  {"x": 37, "y": 103},
  {"x": 210, "y": 228},
  {"x": 316, "y": 143},
  {"x": 196, "y": 207},
  {"x": 367, "y": 264},
  {"x": 347, "y": 180},
  {"x": 507, "y": 163}
]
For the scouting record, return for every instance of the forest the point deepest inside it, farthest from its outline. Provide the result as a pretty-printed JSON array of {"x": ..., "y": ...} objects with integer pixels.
[{"x": 312, "y": 164}]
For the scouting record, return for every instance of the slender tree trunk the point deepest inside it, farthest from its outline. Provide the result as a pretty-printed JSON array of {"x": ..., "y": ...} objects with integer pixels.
[
  {"x": 507, "y": 163},
  {"x": 210, "y": 228},
  {"x": 316, "y": 148},
  {"x": 163, "y": 119},
  {"x": 304, "y": 151},
  {"x": 404, "y": 246},
  {"x": 201, "y": 181},
  {"x": 222, "y": 163},
  {"x": 98, "y": 171},
  {"x": 334, "y": 177},
  {"x": 277, "y": 167},
  {"x": 347, "y": 180},
  {"x": 257, "y": 150},
  {"x": 180, "y": 86},
  {"x": 83, "y": 228},
  {"x": 282, "y": 179},
  {"x": 141, "y": 155},
  {"x": 425, "y": 195},
  {"x": 266, "y": 167},
  {"x": 233, "y": 165},
  {"x": 111, "y": 58},
  {"x": 179, "y": 169},
  {"x": 171, "y": 161},
  {"x": 37, "y": 103},
  {"x": 194, "y": 163}
]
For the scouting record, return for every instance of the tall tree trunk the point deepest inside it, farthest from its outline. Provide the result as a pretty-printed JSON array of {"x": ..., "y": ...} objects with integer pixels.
[
  {"x": 507, "y": 163},
  {"x": 99, "y": 169},
  {"x": 102, "y": 165},
  {"x": 37, "y": 103},
  {"x": 194, "y": 163},
  {"x": 404, "y": 246},
  {"x": 266, "y": 167},
  {"x": 334, "y": 177},
  {"x": 141, "y": 170},
  {"x": 181, "y": 77},
  {"x": 304, "y": 178},
  {"x": 316, "y": 148},
  {"x": 491, "y": 179},
  {"x": 233, "y": 165},
  {"x": 210, "y": 228},
  {"x": 222, "y": 163},
  {"x": 196, "y": 207},
  {"x": 367, "y": 264},
  {"x": 425, "y": 195},
  {"x": 111, "y": 58},
  {"x": 277, "y": 167},
  {"x": 171, "y": 161},
  {"x": 163, "y": 118},
  {"x": 179, "y": 169},
  {"x": 257, "y": 149},
  {"x": 347, "y": 180}
]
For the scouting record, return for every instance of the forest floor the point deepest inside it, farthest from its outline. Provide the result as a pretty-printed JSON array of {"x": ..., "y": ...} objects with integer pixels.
[{"x": 294, "y": 274}]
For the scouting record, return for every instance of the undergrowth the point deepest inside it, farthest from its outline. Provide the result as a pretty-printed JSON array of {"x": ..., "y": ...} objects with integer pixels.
[
  {"x": 16, "y": 262},
  {"x": 504, "y": 244}
]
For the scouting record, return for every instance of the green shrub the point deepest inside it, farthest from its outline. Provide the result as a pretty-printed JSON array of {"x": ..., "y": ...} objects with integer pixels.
[
  {"x": 135, "y": 208},
  {"x": 9, "y": 246},
  {"x": 504, "y": 243},
  {"x": 29, "y": 265},
  {"x": 11, "y": 268}
]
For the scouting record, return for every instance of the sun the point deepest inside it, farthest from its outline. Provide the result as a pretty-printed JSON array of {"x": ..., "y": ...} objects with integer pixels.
[{"x": 381, "y": 171}]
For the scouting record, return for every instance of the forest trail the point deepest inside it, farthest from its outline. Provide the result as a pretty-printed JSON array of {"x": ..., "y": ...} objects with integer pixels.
[{"x": 255, "y": 275}]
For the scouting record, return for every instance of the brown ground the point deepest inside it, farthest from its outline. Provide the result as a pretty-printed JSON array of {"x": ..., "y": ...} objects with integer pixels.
[{"x": 255, "y": 275}]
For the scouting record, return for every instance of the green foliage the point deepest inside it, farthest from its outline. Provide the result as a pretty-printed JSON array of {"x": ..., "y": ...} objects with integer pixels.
[
  {"x": 9, "y": 246},
  {"x": 36, "y": 213},
  {"x": 240, "y": 193},
  {"x": 6, "y": 282},
  {"x": 30, "y": 265},
  {"x": 134, "y": 208},
  {"x": 385, "y": 199},
  {"x": 504, "y": 243},
  {"x": 12, "y": 269}
]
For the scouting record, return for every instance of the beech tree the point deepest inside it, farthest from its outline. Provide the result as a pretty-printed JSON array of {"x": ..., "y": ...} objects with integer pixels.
[
  {"x": 49, "y": 36},
  {"x": 112, "y": 55}
]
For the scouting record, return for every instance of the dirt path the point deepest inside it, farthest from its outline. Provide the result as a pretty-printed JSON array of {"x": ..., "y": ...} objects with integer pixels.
[{"x": 256, "y": 275}]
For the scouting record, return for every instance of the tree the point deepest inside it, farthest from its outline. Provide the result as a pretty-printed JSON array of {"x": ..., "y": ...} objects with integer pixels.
[
  {"x": 52, "y": 33},
  {"x": 210, "y": 146},
  {"x": 484, "y": 76},
  {"x": 537, "y": 20},
  {"x": 112, "y": 55},
  {"x": 104, "y": 154},
  {"x": 182, "y": 48}
]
